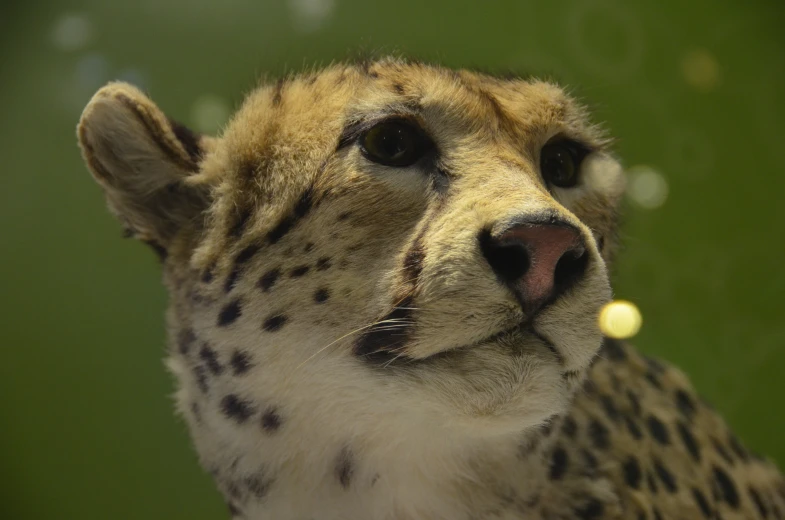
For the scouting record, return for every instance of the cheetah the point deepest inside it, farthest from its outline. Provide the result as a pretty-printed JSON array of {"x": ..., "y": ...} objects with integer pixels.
[{"x": 384, "y": 279}]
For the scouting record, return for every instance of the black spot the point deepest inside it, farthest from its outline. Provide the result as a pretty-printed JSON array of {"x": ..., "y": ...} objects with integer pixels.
[
  {"x": 196, "y": 412},
  {"x": 726, "y": 486},
  {"x": 236, "y": 408},
  {"x": 185, "y": 339},
  {"x": 344, "y": 468},
  {"x": 385, "y": 340},
  {"x": 610, "y": 408},
  {"x": 558, "y": 465},
  {"x": 271, "y": 421},
  {"x": 703, "y": 504},
  {"x": 344, "y": 216},
  {"x": 230, "y": 313},
  {"x": 599, "y": 434},
  {"x": 299, "y": 271},
  {"x": 724, "y": 453},
  {"x": 589, "y": 460},
  {"x": 632, "y": 427},
  {"x": 738, "y": 448},
  {"x": 654, "y": 379},
  {"x": 268, "y": 279},
  {"x": 321, "y": 296},
  {"x": 239, "y": 262},
  {"x": 207, "y": 276},
  {"x": 241, "y": 362},
  {"x": 666, "y": 477},
  {"x": 658, "y": 430},
  {"x": 258, "y": 484},
  {"x": 201, "y": 378},
  {"x": 398, "y": 88},
  {"x": 591, "y": 510},
  {"x": 652, "y": 483},
  {"x": 239, "y": 225},
  {"x": 233, "y": 509},
  {"x": 759, "y": 503},
  {"x": 234, "y": 489},
  {"x": 274, "y": 323},
  {"x": 589, "y": 388},
  {"x": 613, "y": 350},
  {"x": 547, "y": 428},
  {"x": 634, "y": 401},
  {"x": 303, "y": 206},
  {"x": 685, "y": 403},
  {"x": 689, "y": 440},
  {"x": 308, "y": 247},
  {"x": 210, "y": 359},
  {"x": 323, "y": 263},
  {"x": 569, "y": 427},
  {"x": 632, "y": 472}
]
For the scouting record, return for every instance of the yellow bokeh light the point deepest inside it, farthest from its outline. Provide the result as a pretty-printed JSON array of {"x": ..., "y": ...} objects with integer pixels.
[
  {"x": 701, "y": 70},
  {"x": 620, "y": 319}
]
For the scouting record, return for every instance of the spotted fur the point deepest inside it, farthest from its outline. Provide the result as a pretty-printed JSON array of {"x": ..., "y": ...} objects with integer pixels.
[{"x": 344, "y": 350}]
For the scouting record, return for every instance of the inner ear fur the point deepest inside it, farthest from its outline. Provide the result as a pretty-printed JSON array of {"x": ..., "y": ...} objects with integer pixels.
[{"x": 143, "y": 161}]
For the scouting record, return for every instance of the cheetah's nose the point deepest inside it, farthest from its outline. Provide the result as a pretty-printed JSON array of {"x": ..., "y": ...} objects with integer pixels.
[{"x": 539, "y": 261}]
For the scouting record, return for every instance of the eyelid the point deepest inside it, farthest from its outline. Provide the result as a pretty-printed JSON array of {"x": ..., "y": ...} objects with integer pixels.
[
  {"x": 354, "y": 130},
  {"x": 580, "y": 149}
]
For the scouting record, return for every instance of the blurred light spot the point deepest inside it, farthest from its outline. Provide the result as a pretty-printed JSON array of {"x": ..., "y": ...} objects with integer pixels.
[
  {"x": 92, "y": 71},
  {"x": 620, "y": 319},
  {"x": 310, "y": 15},
  {"x": 209, "y": 113},
  {"x": 71, "y": 32},
  {"x": 133, "y": 76},
  {"x": 700, "y": 70},
  {"x": 647, "y": 187}
]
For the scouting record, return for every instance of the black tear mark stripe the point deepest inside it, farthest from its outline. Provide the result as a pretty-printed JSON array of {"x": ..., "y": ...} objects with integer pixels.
[
  {"x": 344, "y": 468},
  {"x": 303, "y": 206}
]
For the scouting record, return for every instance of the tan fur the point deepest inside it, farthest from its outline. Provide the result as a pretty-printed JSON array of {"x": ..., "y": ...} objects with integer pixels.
[{"x": 282, "y": 249}]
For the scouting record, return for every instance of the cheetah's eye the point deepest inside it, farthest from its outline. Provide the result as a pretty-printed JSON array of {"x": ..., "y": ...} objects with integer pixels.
[
  {"x": 394, "y": 143},
  {"x": 560, "y": 163}
]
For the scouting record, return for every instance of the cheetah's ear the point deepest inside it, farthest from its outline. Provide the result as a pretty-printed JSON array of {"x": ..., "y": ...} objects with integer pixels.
[{"x": 143, "y": 161}]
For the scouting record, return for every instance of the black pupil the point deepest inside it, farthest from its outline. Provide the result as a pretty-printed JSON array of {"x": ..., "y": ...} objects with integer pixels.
[
  {"x": 392, "y": 141},
  {"x": 558, "y": 164}
]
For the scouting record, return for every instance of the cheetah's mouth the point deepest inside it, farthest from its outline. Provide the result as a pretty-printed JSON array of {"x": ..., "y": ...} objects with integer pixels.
[{"x": 395, "y": 354}]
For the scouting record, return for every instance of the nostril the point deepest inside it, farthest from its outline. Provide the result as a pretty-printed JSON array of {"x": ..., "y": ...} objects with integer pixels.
[
  {"x": 569, "y": 269},
  {"x": 509, "y": 261}
]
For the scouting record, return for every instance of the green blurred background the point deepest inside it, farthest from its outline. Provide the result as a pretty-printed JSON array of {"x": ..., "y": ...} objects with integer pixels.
[{"x": 695, "y": 91}]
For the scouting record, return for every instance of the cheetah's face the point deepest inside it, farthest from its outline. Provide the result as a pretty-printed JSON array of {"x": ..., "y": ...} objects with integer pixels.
[{"x": 398, "y": 239}]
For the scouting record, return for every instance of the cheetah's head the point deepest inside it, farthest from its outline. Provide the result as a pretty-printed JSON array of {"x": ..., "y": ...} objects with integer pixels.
[{"x": 372, "y": 254}]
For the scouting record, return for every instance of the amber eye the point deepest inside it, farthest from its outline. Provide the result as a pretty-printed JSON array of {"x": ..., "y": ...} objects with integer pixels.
[
  {"x": 560, "y": 163},
  {"x": 394, "y": 143}
]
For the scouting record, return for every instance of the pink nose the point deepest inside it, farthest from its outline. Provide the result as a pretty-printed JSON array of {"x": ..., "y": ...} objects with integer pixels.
[{"x": 538, "y": 261}]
